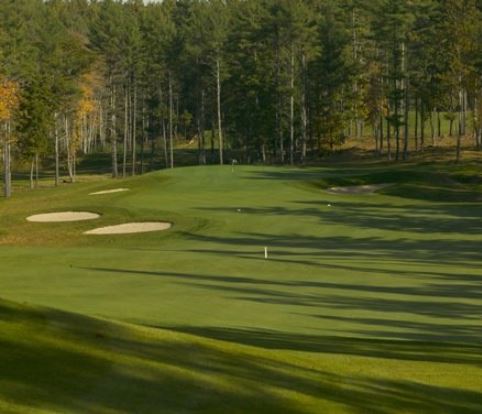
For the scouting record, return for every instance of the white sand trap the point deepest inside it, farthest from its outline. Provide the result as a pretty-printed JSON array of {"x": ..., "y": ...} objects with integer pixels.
[
  {"x": 357, "y": 189},
  {"x": 65, "y": 216},
  {"x": 115, "y": 190},
  {"x": 130, "y": 228}
]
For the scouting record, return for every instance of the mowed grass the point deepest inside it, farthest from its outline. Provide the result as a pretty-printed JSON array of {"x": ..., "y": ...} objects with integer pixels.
[{"x": 368, "y": 303}]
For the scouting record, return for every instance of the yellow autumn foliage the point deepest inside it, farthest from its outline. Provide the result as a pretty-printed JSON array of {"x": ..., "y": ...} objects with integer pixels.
[
  {"x": 85, "y": 110},
  {"x": 89, "y": 86},
  {"x": 86, "y": 104},
  {"x": 9, "y": 99}
]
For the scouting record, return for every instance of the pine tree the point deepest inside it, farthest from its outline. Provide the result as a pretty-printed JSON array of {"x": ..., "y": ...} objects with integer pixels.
[
  {"x": 459, "y": 28},
  {"x": 392, "y": 25}
]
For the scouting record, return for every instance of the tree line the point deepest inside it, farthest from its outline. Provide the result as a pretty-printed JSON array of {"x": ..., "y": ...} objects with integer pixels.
[{"x": 274, "y": 80}]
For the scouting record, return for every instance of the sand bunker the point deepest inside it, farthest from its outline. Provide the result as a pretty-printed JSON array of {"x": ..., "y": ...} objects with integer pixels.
[
  {"x": 130, "y": 228},
  {"x": 65, "y": 216},
  {"x": 358, "y": 189},
  {"x": 115, "y": 190}
]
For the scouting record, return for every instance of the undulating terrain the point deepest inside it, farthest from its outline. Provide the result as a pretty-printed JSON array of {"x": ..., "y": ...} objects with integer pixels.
[{"x": 367, "y": 302}]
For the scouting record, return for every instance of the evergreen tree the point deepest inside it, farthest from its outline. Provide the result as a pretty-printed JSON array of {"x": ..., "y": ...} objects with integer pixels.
[{"x": 392, "y": 25}]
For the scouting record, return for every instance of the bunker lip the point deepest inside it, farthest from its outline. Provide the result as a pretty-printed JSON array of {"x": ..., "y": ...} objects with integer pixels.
[
  {"x": 63, "y": 217},
  {"x": 130, "y": 228},
  {"x": 357, "y": 189},
  {"x": 114, "y": 190}
]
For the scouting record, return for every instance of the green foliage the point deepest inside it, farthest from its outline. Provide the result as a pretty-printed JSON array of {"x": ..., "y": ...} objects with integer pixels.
[{"x": 294, "y": 76}]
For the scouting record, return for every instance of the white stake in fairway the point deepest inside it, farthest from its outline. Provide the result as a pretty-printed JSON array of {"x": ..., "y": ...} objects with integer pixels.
[{"x": 265, "y": 252}]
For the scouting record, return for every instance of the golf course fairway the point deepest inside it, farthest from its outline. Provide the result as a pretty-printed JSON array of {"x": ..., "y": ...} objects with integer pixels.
[{"x": 367, "y": 303}]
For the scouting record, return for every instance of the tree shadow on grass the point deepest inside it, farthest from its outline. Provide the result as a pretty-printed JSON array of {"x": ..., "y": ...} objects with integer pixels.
[
  {"x": 419, "y": 307},
  {"x": 402, "y": 350},
  {"x": 73, "y": 364},
  {"x": 441, "y": 218},
  {"x": 441, "y": 251},
  {"x": 447, "y": 219},
  {"x": 435, "y": 303},
  {"x": 331, "y": 260},
  {"x": 471, "y": 289},
  {"x": 392, "y": 328},
  {"x": 77, "y": 365}
]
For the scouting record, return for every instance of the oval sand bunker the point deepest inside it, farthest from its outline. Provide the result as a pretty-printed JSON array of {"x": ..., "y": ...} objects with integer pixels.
[
  {"x": 130, "y": 228},
  {"x": 115, "y": 190},
  {"x": 61, "y": 217},
  {"x": 357, "y": 189}
]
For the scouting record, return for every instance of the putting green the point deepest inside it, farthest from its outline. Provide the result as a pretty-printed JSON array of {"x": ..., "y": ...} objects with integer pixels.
[{"x": 379, "y": 294}]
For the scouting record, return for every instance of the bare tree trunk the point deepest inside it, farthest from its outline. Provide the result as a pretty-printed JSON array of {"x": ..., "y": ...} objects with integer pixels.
[
  {"x": 376, "y": 135},
  {"x": 164, "y": 132},
  {"x": 134, "y": 130},
  {"x": 389, "y": 142},
  {"x": 101, "y": 124},
  {"x": 279, "y": 126},
  {"x": 355, "y": 82},
  {"x": 7, "y": 162},
  {"x": 171, "y": 138},
  {"x": 69, "y": 149},
  {"x": 32, "y": 168},
  {"x": 461, "y": 123},
  {"x": 91, "y": 132},
  {"x": 422, "y": 126},
  {"x": 74, "y": 167},
  {"x": 397, "y": 133},
  {"x": 304, "y": 113},
  {"x": 144, "y": 129},
  {"x": 459, "y": 144},
  {"x": 212, "y": 140},
  {"x": 153, "y": 152},
  {"x": 113, "y": 133},
  {"x": 164, "y": 140},
  {"x": 177, "y": 118},
  {"x": 36, "y": 170},
  {"x": 220, "y": 128},
  {"x": 57, "y": 150},
  {"x": 477, "y": 115},
  {"x": 126, "y": 133},
  {"x": 292, "y": 107},
  {"x": 406, "y": 128},
  {"x": 200, "y": 132},
  {"x": 199, "y": 144},
  {"x": 416, "y": 124},
  {"x": 381, "y": 135},
  {"x": 439, "y": 125}
]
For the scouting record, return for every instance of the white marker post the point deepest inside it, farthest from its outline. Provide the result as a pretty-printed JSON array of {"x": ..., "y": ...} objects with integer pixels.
[{"x": 266, "y": 253}]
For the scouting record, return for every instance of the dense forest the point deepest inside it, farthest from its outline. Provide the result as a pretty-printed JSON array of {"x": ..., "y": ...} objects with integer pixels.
[{"x": 277, "y": 81}]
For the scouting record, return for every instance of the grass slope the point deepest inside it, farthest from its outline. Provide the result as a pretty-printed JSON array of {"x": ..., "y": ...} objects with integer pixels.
[
  {"x": 57, "y": 362},
  {"x": 371, "y": 305}
]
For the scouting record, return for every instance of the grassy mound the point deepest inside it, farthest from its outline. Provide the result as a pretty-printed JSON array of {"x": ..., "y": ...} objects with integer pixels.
[{"x": 444, "y": 182}]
